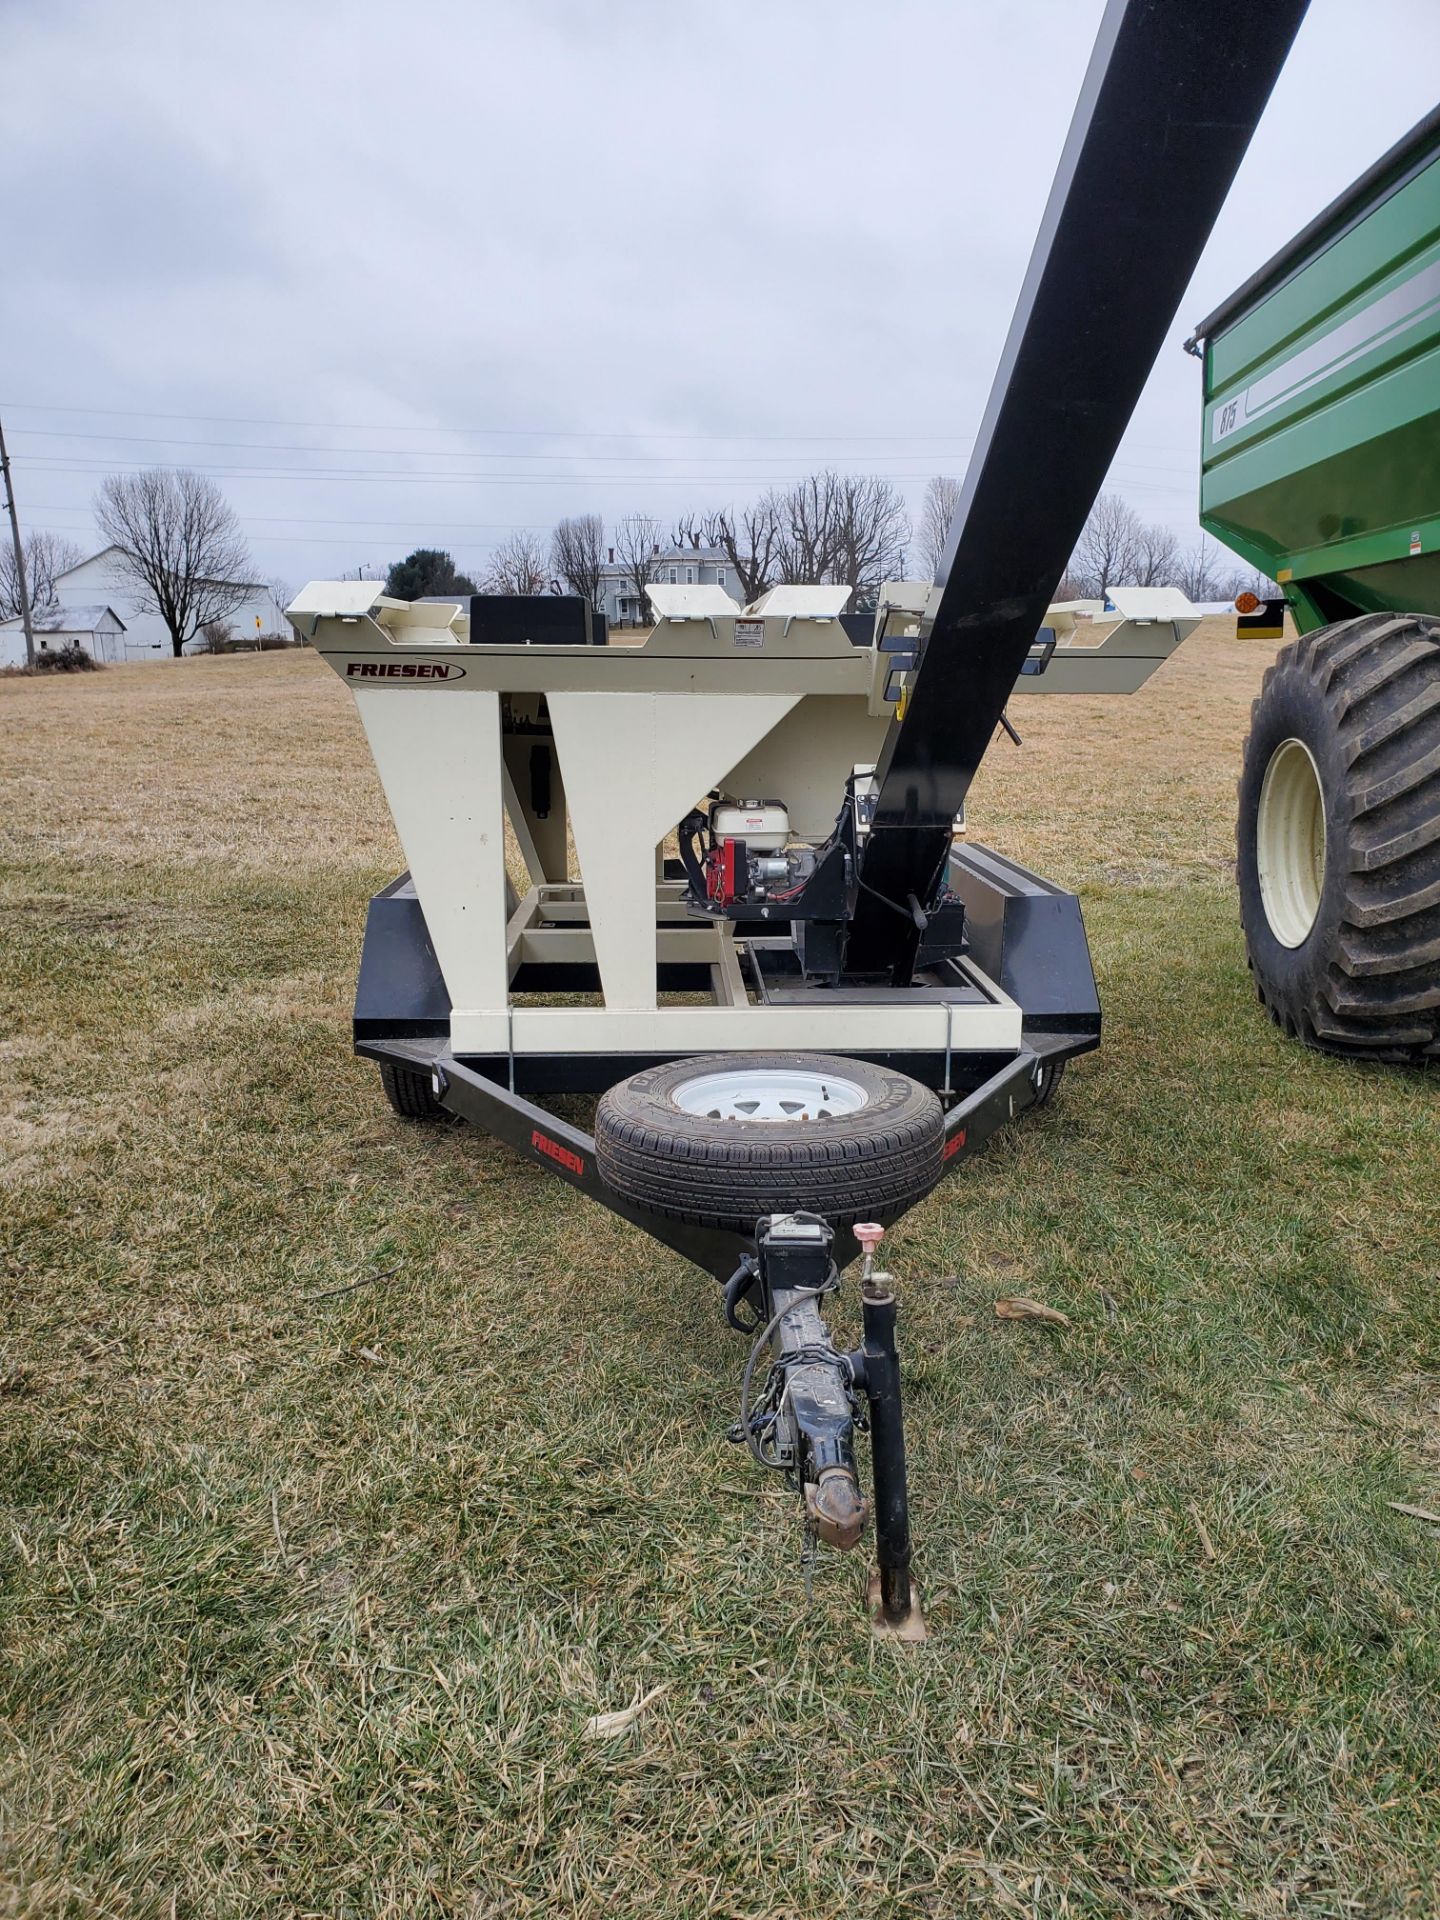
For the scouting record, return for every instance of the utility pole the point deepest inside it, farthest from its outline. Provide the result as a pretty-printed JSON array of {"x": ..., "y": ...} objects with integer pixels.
[{"x": 19, "y": 552}]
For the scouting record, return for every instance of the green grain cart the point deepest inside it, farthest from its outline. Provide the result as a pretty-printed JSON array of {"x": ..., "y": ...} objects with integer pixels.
[{"x": 1321, "y": 466}]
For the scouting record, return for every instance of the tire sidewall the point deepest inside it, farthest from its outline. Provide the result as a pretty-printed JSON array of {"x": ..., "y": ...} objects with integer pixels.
[
  {"x": 890, "y": 1097},
  {"x": 871, "y": 1164},
  {"x": 1293, "y": 707}
]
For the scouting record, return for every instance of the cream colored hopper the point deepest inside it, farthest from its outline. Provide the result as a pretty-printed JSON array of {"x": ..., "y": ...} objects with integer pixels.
[{"x": 773, "y": 702}]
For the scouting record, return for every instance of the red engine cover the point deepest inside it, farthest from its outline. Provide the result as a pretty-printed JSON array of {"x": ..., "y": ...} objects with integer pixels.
[{"x": 720, "y": 873}]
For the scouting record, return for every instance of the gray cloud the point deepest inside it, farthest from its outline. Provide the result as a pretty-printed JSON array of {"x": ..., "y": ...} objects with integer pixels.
[{"x": 654, "y": 220}]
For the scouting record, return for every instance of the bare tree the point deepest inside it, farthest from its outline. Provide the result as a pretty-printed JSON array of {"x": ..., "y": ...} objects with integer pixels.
[
  {"x": 849, "y": 529},
  {"x": 637, "y": 548},
  {"x": 808, "y": 536},
  {"x": 577, "y": 555},
  {"x": 1252, "y": 580},
  {"x": 942, "y": 497},
  {"x": 750, "y": 542},
  {"x": 689, "y": 531},
  {"x": 47, "y": 556},
  {"x": 1106, "y": 554},
  {"x": 179, "y": 545},
  {"x": 1157, "y": 554},
  {"x": 218, "y": 636},
  {"x": 1203, "y": 572},
  {"x": 870, "y": 532},
  {"x": 517, "y": 566}
]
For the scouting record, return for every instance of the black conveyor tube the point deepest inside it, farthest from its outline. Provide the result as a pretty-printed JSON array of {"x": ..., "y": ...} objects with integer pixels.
[{"x": 1171, "y": 96}]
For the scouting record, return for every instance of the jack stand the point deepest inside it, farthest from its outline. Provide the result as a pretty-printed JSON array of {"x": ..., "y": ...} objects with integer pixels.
[
  {"x": 893, "y": 1597},
  {"x": 803, "y": 1421}
]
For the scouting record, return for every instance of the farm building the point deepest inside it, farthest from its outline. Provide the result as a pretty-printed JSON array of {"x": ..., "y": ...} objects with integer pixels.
[
  {"x": 102, "y": 578},
  {"x": 676, "y": 566},
  {"x": 98, "y": 630}
]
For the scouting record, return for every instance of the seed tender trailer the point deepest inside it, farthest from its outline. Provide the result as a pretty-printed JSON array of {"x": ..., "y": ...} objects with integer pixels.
[{"x": 799, "y": 1001}]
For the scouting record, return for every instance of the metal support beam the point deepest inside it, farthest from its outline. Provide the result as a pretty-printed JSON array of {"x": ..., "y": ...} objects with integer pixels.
[
  {"x": 887, "y": 1458},
  {"x": 1169, "y": 102},
  {"x": 22, "y": 586}
]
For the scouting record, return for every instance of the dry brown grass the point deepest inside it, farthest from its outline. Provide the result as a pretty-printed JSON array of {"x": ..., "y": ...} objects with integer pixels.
[
  {"x": 258, "y": 761},
  {"x": 1129, "y": 792},
  {"x": 249, "y": 762},
  {"x": 305, "y": 1602}
]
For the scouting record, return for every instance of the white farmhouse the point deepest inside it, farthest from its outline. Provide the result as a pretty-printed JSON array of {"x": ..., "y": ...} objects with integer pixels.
[
  {"x": 102, "y": 578},
  {"x": 674, "y": 566},
  {"x": 98, "y": 631}
]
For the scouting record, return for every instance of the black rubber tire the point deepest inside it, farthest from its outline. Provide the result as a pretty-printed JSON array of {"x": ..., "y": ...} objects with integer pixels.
[
  {"x": 869, "y": 1165},
  {"x": 1048, "y": 1085},
  {"x": 411, "y": 1094},
  {"x": 1364, "y": 697}
]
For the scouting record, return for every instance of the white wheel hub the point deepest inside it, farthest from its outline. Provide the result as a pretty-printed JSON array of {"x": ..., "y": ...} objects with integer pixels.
[
  {"x": 769, "y": 1093},
  {"x": 1290, "y": 842}
]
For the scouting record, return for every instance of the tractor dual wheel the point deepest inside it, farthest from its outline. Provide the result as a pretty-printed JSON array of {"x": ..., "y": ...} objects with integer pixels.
[
  {"x": 1339, "y": 838},
  {"x": 411, "y": 1095},
  {"x": 724, "y": 1139}
]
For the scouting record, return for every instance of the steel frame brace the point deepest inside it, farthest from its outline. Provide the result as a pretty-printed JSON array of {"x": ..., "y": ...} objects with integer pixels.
[{"x": 568, "y": 1151}]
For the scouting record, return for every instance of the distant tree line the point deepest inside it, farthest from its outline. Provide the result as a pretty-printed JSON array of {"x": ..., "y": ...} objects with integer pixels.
[
  {"x": 840, "y": 529},
  {"x": 832, "y": 528},
  {"x": 1119, "y": 549},
  {"x": 181, "y": 547}
]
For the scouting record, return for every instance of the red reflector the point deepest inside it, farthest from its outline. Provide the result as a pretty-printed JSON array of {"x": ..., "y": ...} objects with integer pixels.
[{"x": 953, "y": 1145}]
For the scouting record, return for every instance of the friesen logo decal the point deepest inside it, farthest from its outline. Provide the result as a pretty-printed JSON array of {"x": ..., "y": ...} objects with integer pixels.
[
  {"x": 954, "y": 1144},
  {"x": 553, "y": 1150},
  {"x": 403, "y": 670}
]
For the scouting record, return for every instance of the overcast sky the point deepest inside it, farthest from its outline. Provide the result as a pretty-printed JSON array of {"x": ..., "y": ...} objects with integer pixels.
[{"x": 620, "y": 256}]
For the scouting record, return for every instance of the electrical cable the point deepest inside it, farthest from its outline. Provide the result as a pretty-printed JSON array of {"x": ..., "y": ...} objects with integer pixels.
[{"x": 797, "y": 1299}]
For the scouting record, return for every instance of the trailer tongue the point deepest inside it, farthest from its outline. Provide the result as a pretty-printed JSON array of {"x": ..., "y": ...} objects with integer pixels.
[{"x": 810, "y": 1016}]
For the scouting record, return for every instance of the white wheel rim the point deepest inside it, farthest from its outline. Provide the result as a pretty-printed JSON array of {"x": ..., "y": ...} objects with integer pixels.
[
  {"x": 769, "y": 1094},
  {"x": 1290, "y": 842}
]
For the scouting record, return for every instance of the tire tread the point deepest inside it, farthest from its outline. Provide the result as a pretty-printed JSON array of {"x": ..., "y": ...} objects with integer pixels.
[{"x": 1378, "y": 993}]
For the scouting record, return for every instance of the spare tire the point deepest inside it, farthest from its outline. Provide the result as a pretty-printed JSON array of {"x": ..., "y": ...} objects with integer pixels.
[
  {"x": 724, "y": 1139},
  {"x": 1338, "y": 839}
]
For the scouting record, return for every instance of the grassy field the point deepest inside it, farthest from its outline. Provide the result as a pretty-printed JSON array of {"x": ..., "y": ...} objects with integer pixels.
[{"x": 307, "y": 1594}]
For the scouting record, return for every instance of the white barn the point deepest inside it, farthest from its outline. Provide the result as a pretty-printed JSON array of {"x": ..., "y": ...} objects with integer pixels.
[
  {"x": 98, "y": 631},
  {"x": 102, "y": 579}
]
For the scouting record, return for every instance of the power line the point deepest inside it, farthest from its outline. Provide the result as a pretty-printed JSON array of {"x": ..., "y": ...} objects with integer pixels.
[
  {"x": 428, "y": 453},
  {"x": 515, "y": 433},
  {"x": 318, "y": 539},
  {"x": 305, "y": 520},
  {"x": 566, "y": 459},
  {"x": 838, "y": 437},
  {"x": 361, "y": 476}
]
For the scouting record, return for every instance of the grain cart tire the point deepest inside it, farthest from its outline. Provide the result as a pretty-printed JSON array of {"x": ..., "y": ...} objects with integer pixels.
[
  {"x": 1339, "y": 838},
  {"x": 411, "y": 1094},
  {"x": 723, "y": 1139}
]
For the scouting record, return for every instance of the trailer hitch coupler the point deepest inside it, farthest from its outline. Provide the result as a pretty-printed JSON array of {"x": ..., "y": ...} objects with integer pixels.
[{"x": 837, "y": 1507}]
